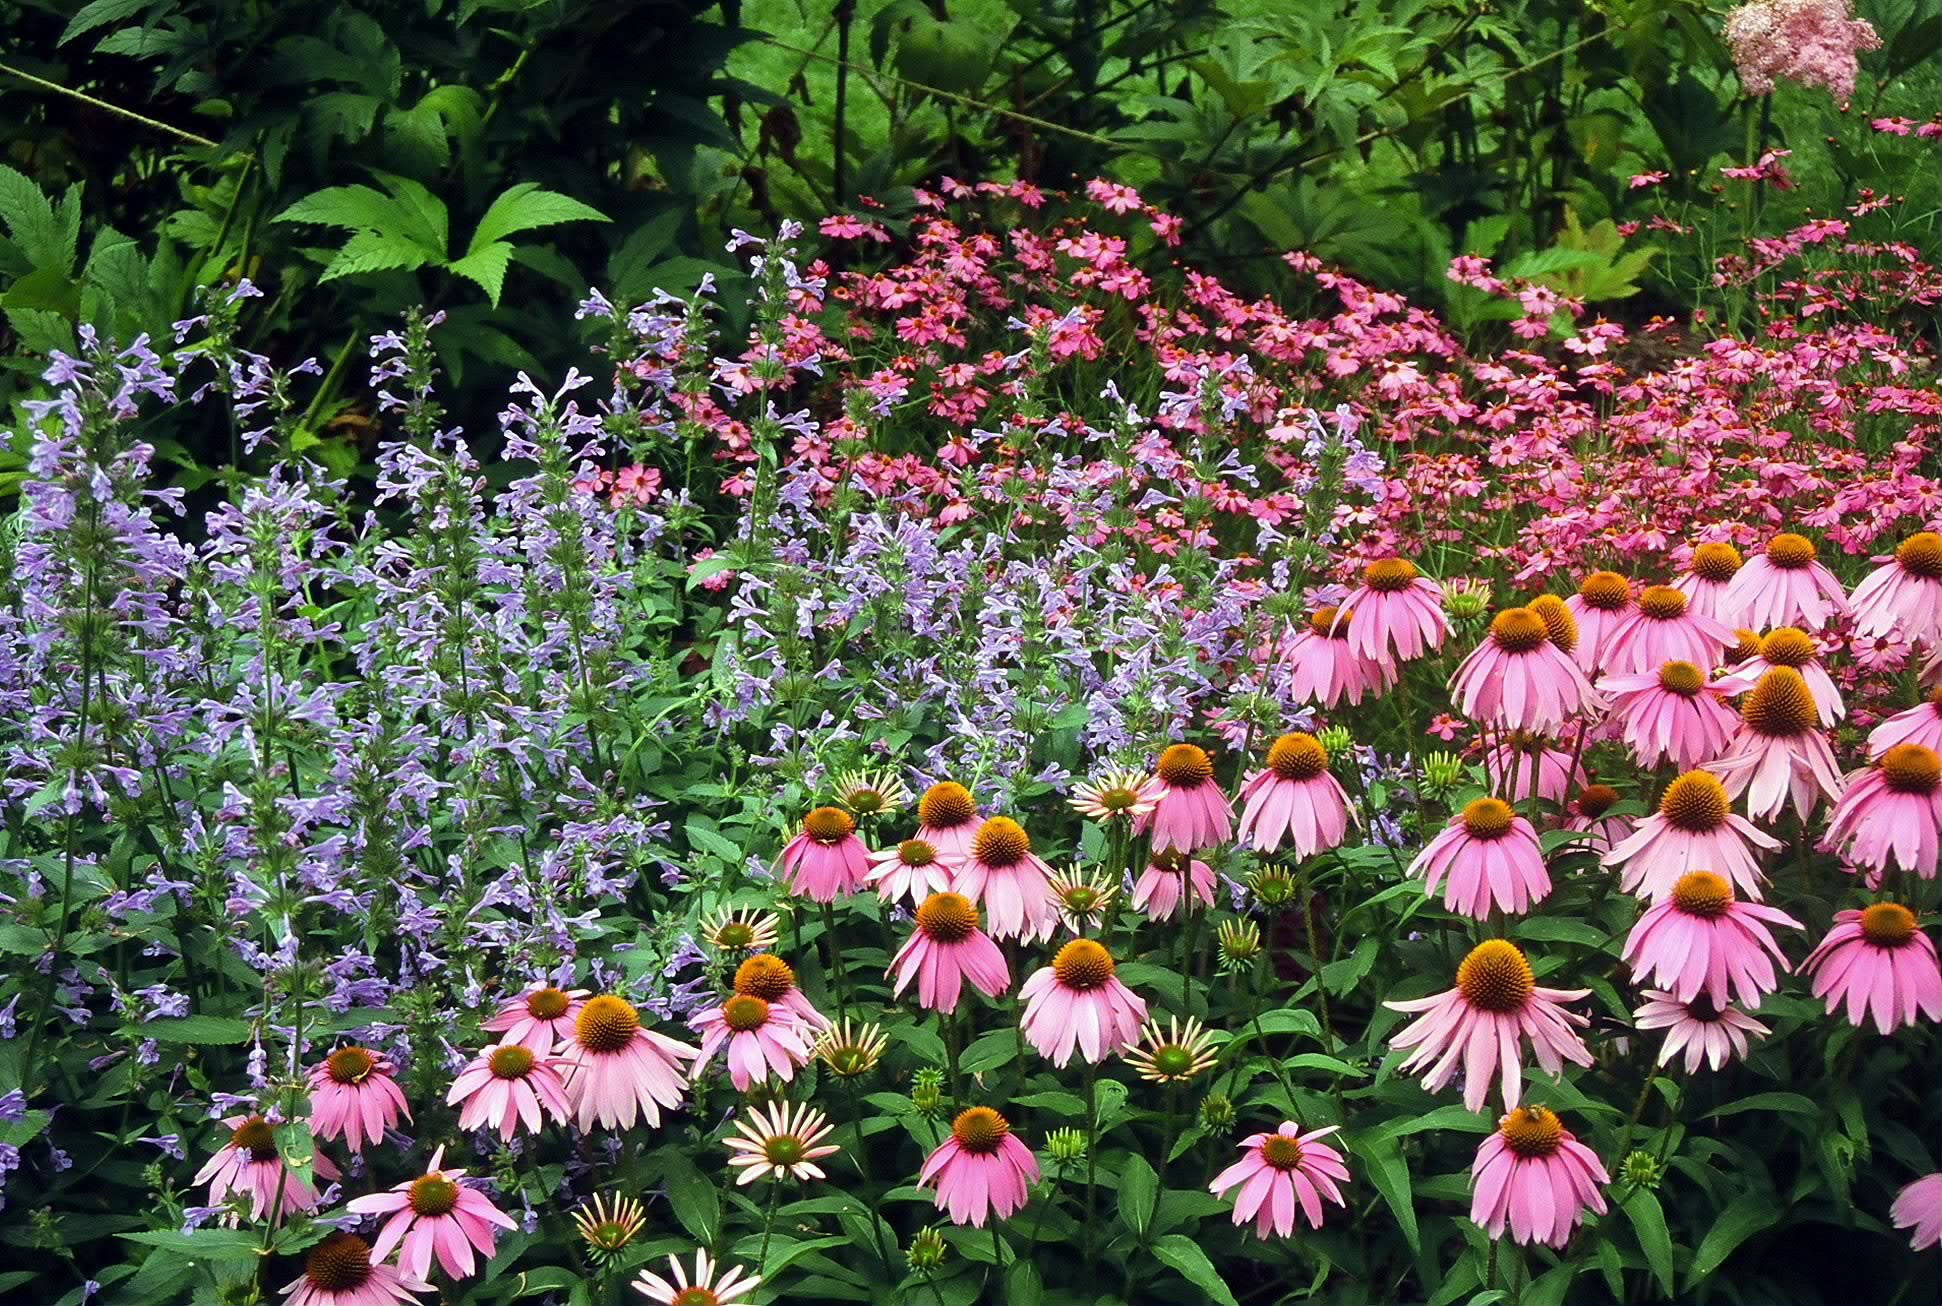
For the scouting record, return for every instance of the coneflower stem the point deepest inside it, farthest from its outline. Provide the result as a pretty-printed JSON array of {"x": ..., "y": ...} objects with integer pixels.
[
  {"x": 863, "y": 1171},
  {"x": 768, "y": 1228},
  {"x": 1038, "y": 1220},
  {"x": 1092, "y": 1151}
]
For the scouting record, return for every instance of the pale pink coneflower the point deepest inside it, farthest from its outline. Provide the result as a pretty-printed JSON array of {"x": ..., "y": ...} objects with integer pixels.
[
  {"x": 338, "y": 1272},
  {"x": 980, "y": 1169},
  {"x": 1115, "y": 796},
  {"x": 783, "y": 1142},
  {"x": 1602, "y": 604},
  {"x": 1517, "y": 679},
  {"x": 1323, "y": 669},
  {"x": 434, "y": 1214},
  {"x": 1663, "y": 628},
  {"x": 1011, "y": 882},
  {"x": 354, "y": 1095},
  {"x": 760, "y": 1037},
  {"x": 770, "y": 978},
  {"x": 251, "y": 1163},
  {"x": 1921, "y": 724},
  {"x": 945, "y": 949},
  {"x": 947, "y": 819},
  {"x": 1918, "y": 1206},
  {"x": 1191, "y": 813},
  {"x": 1708, "y": 1034},
  {"x": 505, "y": 1085},
  {"x": 1398, "y": 613},
  {"x": 1590, "y": 813},
  {"x": 911, "y": 871},
  {"x": 1476, "y": 1027},
  {"x": 1079, "y": 1002},
  {"x": 1891, "y": 811},
  {"x": 1699, "y": 938},
  {"x": 1169, "y": 882},
  {"x": 539, "y": 1020},
  {"x": 1281, "y": 1173},
  {"x": 1533, "y": 1174},
  {"x": 616, "y": 1071},
  {"x": 1779, "y": 756},
  {"x": 1492, "y": 858},
  {"x": 826, "y": 860},
  {"x": 1524, "y": 761},
  {"x": 1671, "y": 715},
  {"x": 1785, "y": 586},
  {"x": 1706, "y": 578},
  {"x": 1879, "y": 962},
  {"x": 1294, "y": 797},
  {"x": 1695, "y": 828},
  {"x": 1788, "y": 647},
  {"x": 706, "y": 1288}
]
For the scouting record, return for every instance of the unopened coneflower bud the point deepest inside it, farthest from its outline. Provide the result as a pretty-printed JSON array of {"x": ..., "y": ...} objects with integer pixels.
[
  {"x": 927, "y": 1090},
  {"x": 927, "y": 1250},
  {"x": 1216, "y": 1113},
  {"x": 1640, "y": 1170},
  {"x": 1442, "y": 772},
  {"x": 1066, "y": 1145},
  {"x": 1273, "y": 887}
]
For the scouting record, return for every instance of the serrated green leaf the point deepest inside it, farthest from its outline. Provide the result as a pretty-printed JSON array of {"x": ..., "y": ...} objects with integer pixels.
[
  {"x": 1184, "y": 1255},
  {"x": 374, "y": 251},
  {"x": 487, "y": 268},
  {"x": 99, "y": 13},
  {"x": 526, "y": 207},
  {"x": 354, "y": 208}
]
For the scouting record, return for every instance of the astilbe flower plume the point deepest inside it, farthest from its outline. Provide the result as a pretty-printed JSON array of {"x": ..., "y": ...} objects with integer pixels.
[{"x": 1813, "y": 42}]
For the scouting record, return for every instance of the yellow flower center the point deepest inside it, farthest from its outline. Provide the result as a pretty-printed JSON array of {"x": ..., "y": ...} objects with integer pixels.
[
  {"x": 1518, "y": 630},
  {"x": 745, "y": 1012},
  {"x": 1281, "y": 1152},
  {"x": 546, "y": 1004},
  {"x": 1717, "y": 562},
  {"x": 1323, "y": 619},
  {"x": 1596, "y": 800},
  {"x": 1532, "y": 1132},
  {"x": 1780, "y": 705},
  {"x": 350, "y": 1065},
  {"x": 1297, "y": 756},
  {"x": 946, "y": 805},
  {"x": 1390, "y": 575},
  {"x": 1786, "y": 647},
  {"x": 1001, "y": 842},
  {"x": 1921, "y": 555},
  {"x": 1559, "y": 625},
  {"x": 947, "y": 917},
  {"x": 1488, "y": 818},
  {"x": 1682, "y": 678},
  {"x": 1495, "y": 977},
  {"x": 1790, "y": 552},
  {"x": 256, "y": 1137},
  {"x": 1911, "y": 769},
  {"x": 1606, "y": 591},
  {"x": 510, "y": 1061},
  {"x": 979, "y": 1130},
  {"x": 766, "y": 977},
  {"x": 606, "y": 1024},
  {"x": 433, "y": 1195},
  {"x": 1746, "y": 644},
  {"x": 1887, "y": 924},
  {"x": 340, "y": 1263},
  {"x": 1662, "y": 603},
  {"x": 1184, "y": 766},
  {"x": 916, "y": 852},
  {"x": 829, "y": 825},
  {"x": 1083, "y": 965},
  {"x": 1696, "y": 803},
  {"x": 1702, "y": 894}
]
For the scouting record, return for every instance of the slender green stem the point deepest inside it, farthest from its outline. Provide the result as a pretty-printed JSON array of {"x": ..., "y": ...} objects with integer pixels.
[
  {"x": 1092, "y": 1152},
  {"x": 768, "y": 1228},
  {"x": 1038, "y": 1220},
  {"x": 863, "y": 1171}
]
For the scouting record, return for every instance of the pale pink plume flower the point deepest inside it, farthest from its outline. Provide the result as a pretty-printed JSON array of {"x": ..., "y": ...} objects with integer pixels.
[
  {"x": 1191, "y": 813},
  {"x": 1921, "y": 724},
  {"x": 1079, "y": 1002},
  {"x": 980, "y": 1169},
  {"x": 826, "y": 860},
  {"x": 770, "y": 978},
  {"x": 338, "y": 1272},
  {"x": 1492, "y": 858},
  {"x": 1672, "y": 715},
  {"x": 540, "y": 1019},
  {"x": 1786, "y": 586},
  {"x": 945, "y": 949},
  {"x": 250, "y": 1163},
  {"x": 1533, "y": 1174},
  {"x": 1880, "y": 963},
  {"x": 1294, "y": 797},
  {"x": 434, "y": 1214},
  {"x": 1525, "y": 762},
  {"x": 1590, "y": 813},
  {"x": 1011, "y": 882},
  {"x": 1170, "y": 881},
  {"x": 1708, "y": 1034},
  {"x": 1891, "y": 812},
  {"x": 1324, "y": 669},
  {"x": 1788, "y": 647},
  {"x": 1695, "y": 828},
  {"x": 783, "y": 1142},
  {"x": 947, "y": 819},
  {"x": 1699, "y": 938},
  {"x": 1517, "y": 679},
  {"x": 1918, "y": 1206},
  {"x": 505, "y": 1086},
  {"x": 354, "y": 1095},
  {"x": 706, "y": 1288},
  {"x": 1706, "y": 579},
  {"x": 1779, "y": 756},
  {"x": 761, "y": 1038},
  {"x": 1664, "y": 628},
  {"x": 616, "y": 1071},
  {"x": 1282, "y": 1173},
  {"x": 1398, "y": 613},
  {"x": 1903, "y": 596},
  {"x": 909, "y": 871},
  {"x": 1602, "y": 604},
  {"x": 1812, "y": 42}
]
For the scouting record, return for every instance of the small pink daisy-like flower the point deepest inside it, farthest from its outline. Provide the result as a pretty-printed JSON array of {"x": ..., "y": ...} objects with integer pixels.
[
  {"x": 910, "y": 870},
  {"x": 1011, "y": 881},
  {"x": 505, "y": 1085},
  {"x": 616, "y": 1071},
  {"x": 434, "y": 1214},
  {"x": 1879, "y": 962},
  {"x": 947, "y": 819},
  {"x": 1295, "y": 797},
  {"x": 826, "y": 859},
  {"x": 1698, "y": 938},
  {"x": 704, "y": 1289},
  {"x": 1602, "y": 604},
  {"x": 1778, "y": 755},
  {"x": 1323, "y": 669},
  {"x": 1918, "y": 1206},
  {"x": 250, "y": 1163},
  {"x": 1476, "y": 1027},
  {"x": 1706, "y": 578},
  {"x": 1709, "y": 1034},
  {"x": 1191, "y": 812},
  {"x": 1921, "y": 724},
  {"x": 1281, "y": 1172},
  {"x": 1170, "y": 880},
  {"x": 338, "y": 1272},
  {"x": 980, "y": 1169},
  {"x": 1695, "y": 828},
  {"x": 354, "y": 1094},
  {"x": 540, "y": 1019},
  {"x": 1077, "y": 1001},
  {"x": 1492, "y": 857},
  {"x": 770, "y": 978},
  {"x": 1519, "y": 680},
  {"x": 1671, "y": 715},
  {"x": 1398, "y": 613},
  {"x": 1664, "y": 628},
  {"x": 1532, "y": 763},
  {"x": 783, "y": 1142},
  {"x": 1891, "y": 812},
  {"x": 1115, "y": 796},
  {"x": 1787, "y": 647},
  {"x": 1785, "y": 586},
  {"x": 760, "y": 1039},
  {"x": 1589, "y": 813},
  {"x": 945, "y": 949},
  {"x": 1533, "y": 1174}
]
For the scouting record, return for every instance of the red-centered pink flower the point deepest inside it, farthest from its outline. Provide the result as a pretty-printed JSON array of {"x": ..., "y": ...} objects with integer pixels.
[
  {"x": 1788, "y": 647},
  {"x": 1779, "y": 756},
  {"x": 1602, "y": 604},
  {"x": 540, "y": 1019},
  {"x": 1590, "y": 813},
  {"x": 1191, "y": 812},
  {"x": 1706, "y": 578},
  {"x": 1698, "y": 938},
  {"x": 250, "y": 1163},
  {"x": 1891, "y": 812},
  {"x": 1078, "y": 1001},
  {"x": 911, "y": 871},
  {"x": 783, "y": 1142},
  {"x": 1323, "y": 668},
  {"x": 761, "y": 1038},
  {"x": 770, "y": 978},
  {"x": 1281, "y": 1173},
  {"x": 1398, "y": 613},
  {"x": 1921, "y": 724},
  {"x": 1527, "y": 761},
  {"x": 827, "y": 859},
  {"x": 1708, "y": 1034},
  {"x": 1294, "y": 797},
  {"x": 1695, "y": 828},
  {"x": 1785, "y": 586},
  {"x": 706, "y": 1288},
  {"x": 354, "y": 1095},
  {"x": 1169, "y": 881},
  {"x": 944, "y": 950},
  {"x": 1492, "y": 858},
  {"x": 947, "y": 819},
  {"x": 1918, "y": 1206},
  {"x": 1517, "y": 679},
  {"x": 505, "y": 1086},
  {"x": 1880, "y": 963},
  {"x": 435, "y": 1214},
  {"x": 980, "y": 1169},
  {"x": 338, "y": 1272},
  {"x": 616, "y": 1071},
  {"x": 1476, "y": 1027},
  {"x": 1664, "y": 628},
  {"x": 1671, "y": 715},
  {"x": 1534, "y": 1175},
  {"x": 1011, "y": 882}
]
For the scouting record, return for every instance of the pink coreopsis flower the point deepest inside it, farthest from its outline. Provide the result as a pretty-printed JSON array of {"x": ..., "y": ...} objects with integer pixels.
[
  {"x": 615, "y": 1070},
  {"x": 1878, "y": 961},
  {"x": 1525, "y": 762},
  {"x": 1170, "y": 880},
  {"x": 250, "y": 1163},
  {"x": 945, "y": 949},
  {"x": 760, "y": 1038},
  {"x": 1664, "y": 628},
  {"x": 1918, "y": 1206},
  {"x": 1295, "y": 797},
  {"x": 1891, "y": 812},
  {"x": 1078, "y": 1001},
  {"x": 1590, "y": 813},
  {"x": 1673, "y": 715},
  {"x": 1476, "y": 1027},
  {"x": 1492, "y": 857},
  {"x": 338, "y": 1272},
  {"x": 704, "y": 1289},
  {"x": 1011, "y": 882},
  {"x": 1921, "y": 724},
  {"x": 1518, "y": 679},
  {"x": 1708, "y": 1034},
  {"x": 910, "y": 870},
  {"x": 1705, "y": 580},
  {"x": 947, "y": 819},
  {"x": 1699, "y": 939},
  {"x": 1398, "y": 613},
  {"x": 826, "y": 859},
  {"x": 1778, "y": 755},
  {"x": 505, "y": 1085},
  {"x": 434, "y": 1214},
  {"x": 1813, "y": 42},
  {"x": 770, "y": 978},
  {"x": 1695, "y": 828},
  {"x": 1533, "y": 1174},
  {"x": 1602, "y": 604},
  {"x": 980, "y": 1169},
  {"x": 783, "y": 1142},
  {"x": 1191, "y": 813},
  {"x": 354, "y": 1094},
  {"x": 1904, "y": 594},
  {"x": 1785, "y": 586},
  {"x": 1788, "y": 647},
  {"x": 1281, "y": 1172},
  {"x": 540, "y": 1019},
  {"x": 1324, "y": 669}
]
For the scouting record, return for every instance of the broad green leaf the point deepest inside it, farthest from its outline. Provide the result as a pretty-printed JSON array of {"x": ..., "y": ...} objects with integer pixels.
[
  {"x": 1023, "y": 1284},
  {"x": 1649, "y": 1223},
  {"x": 198, "y": 1029},
  {"x": 1745, "y": 1216},
  {"x": 696, "y": 1203},
  {"x": 1794, "y": 1103},
  {"x": 1184, "y": 1255},
  {"x": 1139, "y": 1190},
  {"x": 202, "y": 1242},
  {"x": 1389, "y": 1172},
  {"x": 99, "y": 13},
  {"x": 526, "y": 207}
]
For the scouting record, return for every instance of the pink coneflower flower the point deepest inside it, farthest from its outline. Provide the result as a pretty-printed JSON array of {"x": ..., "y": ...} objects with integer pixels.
[
  {"x": 1891, "y": 812},
  {"x": 704, "y": 1289},
  {"x": 1694, "y": 828},
  {"x": 1589, "y": 813},
  {"x": 505, "y": 1085},
  {"x": 1525, "y": 761},
  {"x": 1192, "y": 812},
  {"x": 435, "y": 1214},
  {"x": 1921, "y": 724},
  {"x": 770, "y": 978},
  {"x": 1664, "y": 628},
  {"x": 1787, "y": 647},
  {"x": 1492, "y": 858},
  {"x": 1533, "y": 1174},
  {"x": 980, "y": 1168},
  {"x": 1323, "y": 669},
  {"x": 338, "y": 1272},
  {"x": 1078, "y": 1001},
  {"x": 1518, "y": 679},
  {"x": 910, "y": 870},
  {"x": 1476, "y": 1026},
  {"x": 1698, "y": 938},
  {"x": 1295, "y": 797},
  {"x": 1169, "y": 880},
  {"x": 1115, "y": 796},
  {"x": 1280, "y": 1171},
  {"x": 760, "y": 1038},
  {"x": 826, "y": 859},
  {"x": 1398, "y": 613},
  {"x": 1918, "y": 1206},
  {"x": 615, "y": 1070},
  {"x": 540, "y": 1019},
  {"x": 250, "y": 1163},
  {"x": 1706, "y": 579},
  {"x": 947, "y": 819},
  {"x": 1877, "y": 960},
  {"x": 1012, "y": 882},
  {"x": 1560, "y": 627},
  {"x": 1708, "y": 1034},
  {"x": 945, "y": 949},
  {"x": 354, "y": 1094},
  {"x": 1602, "y": 604},
  {"x": 1671, "y": 715},
  {"x": 1785, "y": 586},
  {"x": 784, "y": 1142},
  {"x": 1778, "y": 755}
]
